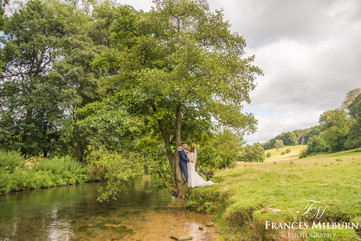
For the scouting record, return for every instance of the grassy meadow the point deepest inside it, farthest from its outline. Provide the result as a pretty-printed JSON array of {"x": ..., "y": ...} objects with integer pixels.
[{"x": 243, "y": 196}]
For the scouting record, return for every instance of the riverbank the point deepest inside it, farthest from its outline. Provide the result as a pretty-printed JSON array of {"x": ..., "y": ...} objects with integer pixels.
[
  {"x": 281, "y": 200},
  {"x": 17, "y": 174}
]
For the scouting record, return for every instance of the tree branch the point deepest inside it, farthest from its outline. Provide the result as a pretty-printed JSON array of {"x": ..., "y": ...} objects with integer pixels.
[{"x": 170, "y": 190}]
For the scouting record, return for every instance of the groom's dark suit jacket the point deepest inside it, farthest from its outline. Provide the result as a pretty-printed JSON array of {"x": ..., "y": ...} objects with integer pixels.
[
  {"x": 183, "y": 163},
  {"x": 183, "y": 156}
]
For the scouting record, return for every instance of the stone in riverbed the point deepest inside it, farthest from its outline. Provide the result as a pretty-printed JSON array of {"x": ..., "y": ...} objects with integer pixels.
[
  {"x": 182, "y": 237},
  {"x": 211, "y": 224}
]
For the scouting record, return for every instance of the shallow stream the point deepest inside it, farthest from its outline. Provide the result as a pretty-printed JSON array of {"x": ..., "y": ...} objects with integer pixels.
[{"x": 73, "y": 213}]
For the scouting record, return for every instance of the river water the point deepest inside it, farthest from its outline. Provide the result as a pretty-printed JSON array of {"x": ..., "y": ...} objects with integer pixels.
[{"x": 73, "y": 213}]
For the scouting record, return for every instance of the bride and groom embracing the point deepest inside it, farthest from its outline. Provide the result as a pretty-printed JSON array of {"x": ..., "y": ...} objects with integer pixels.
[{"x": 187, "y": 162}]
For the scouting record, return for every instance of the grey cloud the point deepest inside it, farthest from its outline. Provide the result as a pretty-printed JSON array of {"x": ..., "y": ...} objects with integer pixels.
[
  {"x": 261, "y": 22},
  {"x": 322, "y": 78}
]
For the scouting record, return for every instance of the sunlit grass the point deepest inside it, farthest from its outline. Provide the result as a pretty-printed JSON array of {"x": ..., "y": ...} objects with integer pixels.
[
  {"x": 288, "y": 184},
  {"x": 276, "y": 155}
]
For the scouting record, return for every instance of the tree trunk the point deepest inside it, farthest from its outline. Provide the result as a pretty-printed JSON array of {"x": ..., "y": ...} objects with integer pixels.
[
  {"x": 79, "y": 145},
  {"x": 178, "y": 142},
  {"x": 170, "y": 154},
  {"x": 24, "y": 138},
  {"x": 77, "y": 138},
  {"x": 173, "y": 157}
]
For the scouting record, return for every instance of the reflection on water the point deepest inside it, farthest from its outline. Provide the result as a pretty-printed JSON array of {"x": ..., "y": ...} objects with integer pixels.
[{"x": 72, "y": 213}]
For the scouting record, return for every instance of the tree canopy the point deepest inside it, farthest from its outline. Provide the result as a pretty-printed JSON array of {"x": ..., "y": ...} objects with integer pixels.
[
  {"x": 355, "y": 112},
  {"x": 180, "y": 73},
  {"x": 122, "y": 88}
]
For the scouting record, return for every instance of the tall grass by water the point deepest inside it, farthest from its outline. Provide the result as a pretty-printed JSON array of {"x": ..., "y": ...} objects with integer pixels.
[
  {"x": 288, "y": 185},
  {"x": 17, "y": 174}
]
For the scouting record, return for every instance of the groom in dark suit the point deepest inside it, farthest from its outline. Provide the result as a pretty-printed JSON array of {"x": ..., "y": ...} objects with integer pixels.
[{"x": 183, "y": 159}]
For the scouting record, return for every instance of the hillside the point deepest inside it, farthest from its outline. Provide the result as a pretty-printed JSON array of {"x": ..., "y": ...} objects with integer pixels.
[
  {"x": 245, "y": 196},
  {"x": 277, "y": 155}
]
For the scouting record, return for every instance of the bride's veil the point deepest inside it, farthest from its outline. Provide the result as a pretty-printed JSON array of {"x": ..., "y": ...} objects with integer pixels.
[{"x": 195, "y": 156}]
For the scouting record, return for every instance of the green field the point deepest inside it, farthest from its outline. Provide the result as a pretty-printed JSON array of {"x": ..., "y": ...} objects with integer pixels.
[{"x": 288, "y": 184}]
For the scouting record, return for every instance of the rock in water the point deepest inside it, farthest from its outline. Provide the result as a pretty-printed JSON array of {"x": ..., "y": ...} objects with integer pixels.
[
  {"x": 211, "y": 224},
  {"x": 182, "y": 237}
]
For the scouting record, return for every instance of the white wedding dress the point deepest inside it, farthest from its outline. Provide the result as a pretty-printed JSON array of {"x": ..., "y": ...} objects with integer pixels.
[{"x": 194, "y": 179}]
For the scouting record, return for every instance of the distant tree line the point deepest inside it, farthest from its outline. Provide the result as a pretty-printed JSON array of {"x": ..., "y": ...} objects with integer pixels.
[
  {"x": 338, "y": 129},
  {"x": 293, "y": 138}
]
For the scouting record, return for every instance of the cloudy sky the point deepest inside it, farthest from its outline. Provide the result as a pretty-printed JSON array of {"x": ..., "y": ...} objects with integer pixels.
[{"x": 309, "y": 50}]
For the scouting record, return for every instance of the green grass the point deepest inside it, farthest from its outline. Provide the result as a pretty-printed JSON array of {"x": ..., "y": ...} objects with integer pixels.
[{"x": 288, "y": 184}]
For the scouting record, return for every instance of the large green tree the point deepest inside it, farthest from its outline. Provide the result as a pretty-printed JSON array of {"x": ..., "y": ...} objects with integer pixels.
[
  {"x": 48, "y": 48},
  {"x": 316, "y": 144},
  {"x": 350, "y": 97},
  {"x": 253, "y": 153},
  {"x": 335, "y": 126},
  {"x": 181, "y": 73},
  {"x": 278, "y": 144},
  {"x": 355, "y": 113},
  {"x": 84, "y": 42},
  {"x": 29, "y": 111},
  {"x": 3, "y": 3}
]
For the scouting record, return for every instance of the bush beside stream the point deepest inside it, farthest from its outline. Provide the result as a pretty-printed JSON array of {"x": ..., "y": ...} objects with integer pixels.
[{"x": 17, "y": 174}]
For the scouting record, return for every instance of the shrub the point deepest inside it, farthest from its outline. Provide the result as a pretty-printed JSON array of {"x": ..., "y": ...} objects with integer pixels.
[
  {"x": 42, "y": 173},
  {"x": 10, "y": 160},
  {"x": 283, "y": 153},
  {"x": 206, "y": 200},
  {"x": 66, "y": 170},
  {"x": 303, "y": 153},
  {"x": 208, "y": 160},
  {"x": 4, "y": 181},
  {"x": 268, "y": 154},
  {"x": 288, "y": 151}
]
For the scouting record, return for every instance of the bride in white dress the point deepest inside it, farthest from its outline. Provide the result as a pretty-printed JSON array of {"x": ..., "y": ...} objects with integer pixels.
[{"x": 194, "y": 179}]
